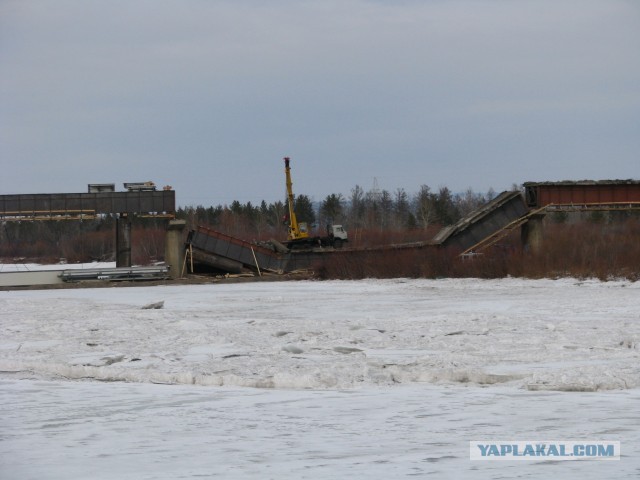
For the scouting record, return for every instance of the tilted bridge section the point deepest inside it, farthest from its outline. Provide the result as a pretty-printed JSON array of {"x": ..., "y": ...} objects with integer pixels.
[
  {"x": 508, "y": 212},
  {"x": 482, "y": 228},
  {"x": 230, "y": 254},
  {"x": 512, "y": 210}
]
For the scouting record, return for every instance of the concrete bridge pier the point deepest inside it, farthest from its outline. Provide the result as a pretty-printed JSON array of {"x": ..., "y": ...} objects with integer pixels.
[
  {"x": 123, "y": 241},
  {"x": 532, "y": 234},
  {"x": 174, "y": 247}
]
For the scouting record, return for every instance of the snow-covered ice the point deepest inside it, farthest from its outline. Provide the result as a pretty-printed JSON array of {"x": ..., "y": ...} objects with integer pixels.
[
  {"x": 539, "y": 335},
  {"x": 33, "y": 267},
  {"x": 65, "y": 430},
  {"x": 374, "y": 378}
]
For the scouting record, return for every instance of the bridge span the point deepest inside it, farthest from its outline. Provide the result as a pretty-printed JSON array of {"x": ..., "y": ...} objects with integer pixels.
[
  {"x": 514, "y": 210},
  {"x": 480, "y": 229}
]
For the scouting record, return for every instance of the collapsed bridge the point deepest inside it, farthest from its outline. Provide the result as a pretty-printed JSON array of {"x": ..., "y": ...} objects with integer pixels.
[
  {"x": 487, "y": 225},
  {"x": 226, "y": 253},
  {"x": 480, "y": 229},
  {"x": 140, "y": 199},
  {"x": 512, "y": 210}
]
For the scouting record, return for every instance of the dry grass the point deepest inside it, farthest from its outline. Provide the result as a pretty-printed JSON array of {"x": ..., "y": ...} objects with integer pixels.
[
  {"x": 582, "y": 250},
  {"x": 585, "y": 250}
]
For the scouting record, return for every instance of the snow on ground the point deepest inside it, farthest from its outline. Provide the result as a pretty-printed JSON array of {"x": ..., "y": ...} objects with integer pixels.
[
  {"x": 540, "y": 335},
  {"x": 375, "y": 379},
  {"x": 122, "y": 431},
  {"x": 33, "y": 267}
]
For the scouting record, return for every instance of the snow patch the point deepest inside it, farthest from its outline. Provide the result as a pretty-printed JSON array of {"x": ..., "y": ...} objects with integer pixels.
[{"x": 557, "y": 335}]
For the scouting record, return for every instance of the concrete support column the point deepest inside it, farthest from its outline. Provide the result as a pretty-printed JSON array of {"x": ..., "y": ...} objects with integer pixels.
[
  {"x": 532, "y": 234},
  {"x": 174, "y": 247},
  {"x": 123, "y": 241}
]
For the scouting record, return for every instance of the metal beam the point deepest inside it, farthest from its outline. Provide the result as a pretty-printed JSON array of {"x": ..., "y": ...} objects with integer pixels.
[
  {"x": 585, "y": 192},
  {"x": 134, "y": 273},
  {"x": 60, "y": 206}
]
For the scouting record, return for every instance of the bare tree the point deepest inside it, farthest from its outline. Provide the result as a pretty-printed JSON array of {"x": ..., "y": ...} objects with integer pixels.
[{"x": 424, "y": 207}]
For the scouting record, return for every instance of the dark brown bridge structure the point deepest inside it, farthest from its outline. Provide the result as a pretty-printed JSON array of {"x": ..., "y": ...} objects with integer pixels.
[
  {"x": 584, "y": 195},
  {"x": 141, "y": 199},
  {"x": 482, "y": 228},
  {"x": 512, "y": 210}
]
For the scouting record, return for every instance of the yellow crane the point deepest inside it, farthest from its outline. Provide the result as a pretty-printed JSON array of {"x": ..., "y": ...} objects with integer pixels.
[{"x": 297, "y": 231}]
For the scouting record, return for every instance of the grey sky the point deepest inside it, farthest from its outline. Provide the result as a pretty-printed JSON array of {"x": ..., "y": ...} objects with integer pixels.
[{"x": 208, "y": 96}]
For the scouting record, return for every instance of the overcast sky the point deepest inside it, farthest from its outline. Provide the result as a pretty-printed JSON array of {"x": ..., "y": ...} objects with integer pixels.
[{"x": 208, "y": 96}]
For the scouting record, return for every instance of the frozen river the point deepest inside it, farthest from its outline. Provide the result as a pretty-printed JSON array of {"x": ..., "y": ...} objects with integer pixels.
[{"x": 366, "y": 379}]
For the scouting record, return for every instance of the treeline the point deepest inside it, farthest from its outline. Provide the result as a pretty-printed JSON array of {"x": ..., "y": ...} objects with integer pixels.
[
  {"x": 598, "y": 244},
  {"x": 601, "y": 245},
  {"x": 371, "y": 217},
  {"x": 79, "y": 241},
  {"x": 381, "y": 213}
]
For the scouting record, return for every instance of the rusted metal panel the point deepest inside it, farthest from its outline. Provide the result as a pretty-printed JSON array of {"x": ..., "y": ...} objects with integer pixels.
[
  {"x": 57, "y": 204},
  {"x": 227, "y": 248},
  {"x": 75, "y": 203},
  {"x": 104, "y": 202},
  {"x": 119, "y": 202},
  {"x": 484, "y": 222},
  {"x": 30, "y": 203},
  {"x": 584, "y": 192},
  {"x": 133, "y": 203},
  {"x": 217, "y": 262},
  {"x": 149, "y": 203},
  {"x": 221, "y": 245},
  {"x": 143, "y": 202}
]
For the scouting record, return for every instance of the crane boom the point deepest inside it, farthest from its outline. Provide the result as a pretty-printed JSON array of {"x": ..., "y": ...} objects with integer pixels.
[
  {"x": 298, "y": 235},
  {"x": 296, "y": 230}
]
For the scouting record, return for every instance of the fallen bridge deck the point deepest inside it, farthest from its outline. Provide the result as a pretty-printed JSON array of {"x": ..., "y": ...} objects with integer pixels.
[{"x": 504, "y": 210}]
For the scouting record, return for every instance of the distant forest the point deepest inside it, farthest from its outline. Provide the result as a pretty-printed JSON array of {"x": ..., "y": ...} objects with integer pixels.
[
  {"x": 608, "y": 241},
  {"x": 384, "y": 216},
  {"x": 373, "y": 210}
]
